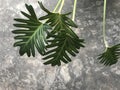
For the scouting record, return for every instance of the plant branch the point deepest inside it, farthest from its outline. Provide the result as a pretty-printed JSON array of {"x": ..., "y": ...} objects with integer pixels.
[
  {"x": 62, "y": 3},
  {"x": 104, "y": 24},
  {"x": 74, "y": 10},
  {"x": 56, "y": 7}
]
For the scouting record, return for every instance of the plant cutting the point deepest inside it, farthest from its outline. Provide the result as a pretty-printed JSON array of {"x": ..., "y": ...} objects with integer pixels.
[
  {"x": 53, "y": 36},
  {"x": 111, "y": 54}
]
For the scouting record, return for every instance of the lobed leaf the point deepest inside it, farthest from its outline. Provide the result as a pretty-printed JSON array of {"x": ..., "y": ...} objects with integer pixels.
[
  {"x": 31, "y": 33},
  {"x": 61, "y": 48},
  {"x": 110, "y": 56}
]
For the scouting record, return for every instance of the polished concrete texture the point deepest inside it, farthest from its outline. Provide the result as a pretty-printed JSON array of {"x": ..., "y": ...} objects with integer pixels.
[{"x": 83, "y": 73}]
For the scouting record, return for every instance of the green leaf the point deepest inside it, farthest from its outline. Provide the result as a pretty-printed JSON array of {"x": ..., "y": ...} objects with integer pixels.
[
  {"x": 31, "y": 33},
  {"x": 110, "y": 56},
  {"x": 58, "y": 21},
  {"x": 61, "y": 47}
]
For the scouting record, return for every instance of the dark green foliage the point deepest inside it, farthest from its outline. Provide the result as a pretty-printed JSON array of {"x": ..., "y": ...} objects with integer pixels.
[
  {"x": 58, "y": 21},
  {"x": 62, "y": 46},
  {"x": 30, "y": 33},
  {"x": 56, "y": 45},
  {"x": 54, "y": 39},
  {"x": 64, "y": 40},
  {"x": 110, "y": 56}
]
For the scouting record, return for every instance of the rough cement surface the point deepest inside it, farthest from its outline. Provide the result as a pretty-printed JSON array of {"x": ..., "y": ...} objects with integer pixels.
[{"x": 83, "y": 73}]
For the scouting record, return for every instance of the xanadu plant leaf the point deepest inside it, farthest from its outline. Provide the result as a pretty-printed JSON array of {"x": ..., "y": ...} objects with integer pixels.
[
  {"x": 110, "y": 56},
  {"x": 61, "y": 47},
  {"x": 30, "y": 33},
  {"x": 58, "y": 21}
]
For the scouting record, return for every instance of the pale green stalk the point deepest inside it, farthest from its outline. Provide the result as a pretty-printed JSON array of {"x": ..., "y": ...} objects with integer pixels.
[
  {"x": 104, "y": 24},
  {"x": 58, "y": 4},
  {"x": 62, "y": 4},
  {"x": 74, "y": 10}
]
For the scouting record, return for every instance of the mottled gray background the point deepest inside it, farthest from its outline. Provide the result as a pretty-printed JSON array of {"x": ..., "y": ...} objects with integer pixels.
[{"x": 83, "y": 73}]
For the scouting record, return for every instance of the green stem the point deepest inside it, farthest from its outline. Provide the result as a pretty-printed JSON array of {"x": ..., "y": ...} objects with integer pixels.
[
  {"x": 104, "y": 24},
  {"x": 74, "y": 10},
  {"x": 62, "y": 4},
  {"x": 56, "y": 7}
]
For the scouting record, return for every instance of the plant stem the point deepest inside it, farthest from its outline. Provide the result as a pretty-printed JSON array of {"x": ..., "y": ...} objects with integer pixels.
[
  {"x": 56, "y": 7},
  {"x": 74, "y": 10},
  {"x": 62, "y": 3},
  {"x": 104, "y": 24}
]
